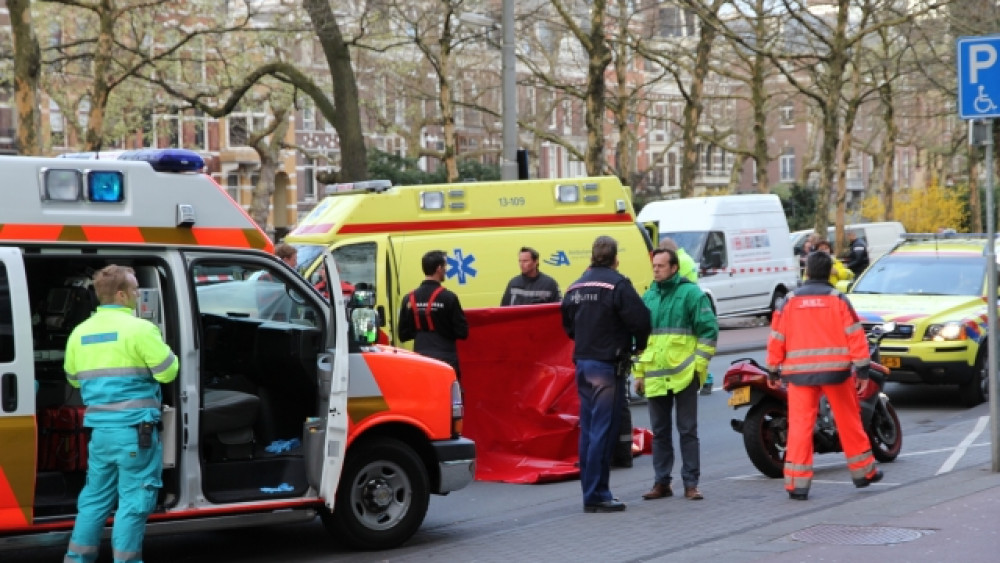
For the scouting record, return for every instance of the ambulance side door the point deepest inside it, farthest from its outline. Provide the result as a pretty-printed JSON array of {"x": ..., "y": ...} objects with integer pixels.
[
  {"x": 17, "y": 394},
  {"x": 334, "y": 376}
]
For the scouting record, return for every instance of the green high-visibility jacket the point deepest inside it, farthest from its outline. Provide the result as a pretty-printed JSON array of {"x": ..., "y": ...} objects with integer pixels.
[
  {"x": 118, "y": 362},
  {"x": 683, "y": 340}
]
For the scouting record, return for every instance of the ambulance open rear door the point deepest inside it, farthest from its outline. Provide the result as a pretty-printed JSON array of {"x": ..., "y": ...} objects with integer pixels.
[{"x": 17, "y": 395}]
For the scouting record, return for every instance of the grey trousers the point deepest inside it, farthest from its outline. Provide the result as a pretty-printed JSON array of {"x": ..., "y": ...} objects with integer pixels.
[{"x": 687, "y": 428}]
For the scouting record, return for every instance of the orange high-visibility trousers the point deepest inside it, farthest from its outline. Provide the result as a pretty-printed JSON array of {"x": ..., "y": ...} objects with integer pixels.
[{"x": 803, "y": 405}]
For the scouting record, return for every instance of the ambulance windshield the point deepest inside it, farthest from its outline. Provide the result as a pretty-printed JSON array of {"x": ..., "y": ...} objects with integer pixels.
[{"x": 307, "y": 254}]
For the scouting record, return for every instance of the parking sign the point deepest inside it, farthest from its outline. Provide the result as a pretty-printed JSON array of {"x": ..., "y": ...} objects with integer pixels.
[{"x": 979, "y": 77}]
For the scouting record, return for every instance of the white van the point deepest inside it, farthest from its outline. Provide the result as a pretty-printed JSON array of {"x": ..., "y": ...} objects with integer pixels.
[
  {"x": 881, "y": 237},
  {"x": 741, "y": 244}
]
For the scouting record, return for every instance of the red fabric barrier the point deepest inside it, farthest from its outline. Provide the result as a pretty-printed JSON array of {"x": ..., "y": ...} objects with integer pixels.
[{"x": 521, "y": 405}]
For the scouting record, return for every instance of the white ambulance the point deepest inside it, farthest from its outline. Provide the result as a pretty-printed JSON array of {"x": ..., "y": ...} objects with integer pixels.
[
  {"x": 282, "y": 410},
  {"x": 740, "y": 243}
]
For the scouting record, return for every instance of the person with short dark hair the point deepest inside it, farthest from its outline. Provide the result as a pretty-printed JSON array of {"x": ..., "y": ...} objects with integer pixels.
[
  {"x": 531, "y": 286},
  {"x": 816, "y": 340},
  {"x": 604, "y": 316},
  {"x": 432, "y": 316},
  {"x": 118, "y": 362},
  {"x": 288, "y": 254},
  {"x": 673, "y": 368},
  {"x": 857, "y": 258}
]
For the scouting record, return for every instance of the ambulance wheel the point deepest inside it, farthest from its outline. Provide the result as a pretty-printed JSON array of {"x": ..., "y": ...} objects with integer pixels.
[{"x": 382, "y": 497}]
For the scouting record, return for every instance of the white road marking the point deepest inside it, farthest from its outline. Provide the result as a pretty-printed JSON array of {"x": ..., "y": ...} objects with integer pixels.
[{"x": 949, "y": 464}]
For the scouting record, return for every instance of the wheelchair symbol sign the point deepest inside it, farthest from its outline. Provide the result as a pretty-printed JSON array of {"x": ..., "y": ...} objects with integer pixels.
[{"x": 978, "y": 77}]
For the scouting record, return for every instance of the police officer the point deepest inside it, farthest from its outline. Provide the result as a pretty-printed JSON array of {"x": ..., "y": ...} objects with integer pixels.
[
  {"x": 432, "y": 316},
  {"x": 118, "y": 362},
  {"x": 815, "y": 340},
  {"x": 604, "y": 316},
  {"x": 857, "y": 259}
]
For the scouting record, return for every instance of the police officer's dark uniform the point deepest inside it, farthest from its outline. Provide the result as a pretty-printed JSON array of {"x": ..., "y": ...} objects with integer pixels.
[{"x": 605, "y": 316}]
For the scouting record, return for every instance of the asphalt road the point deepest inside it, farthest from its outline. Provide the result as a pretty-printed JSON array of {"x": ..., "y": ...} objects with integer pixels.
[{"x": 506, "y": 522}]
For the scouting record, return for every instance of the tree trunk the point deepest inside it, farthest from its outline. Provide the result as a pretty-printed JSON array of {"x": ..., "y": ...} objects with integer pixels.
[
  {"x": 27, "y": 71},
  {"x": 830, "y": 108},
  {"x": 268, "y": 145},
  {"x": 759, "y": 100},
  {"x": 600, "y": 58},
  {"x": 347, "y": 117},
  {"x": 888, "y": 150},
  {"x": 692, "y": 111},
  {"x": 975, "y": 203},
  {"x": 101, "y": 89}
]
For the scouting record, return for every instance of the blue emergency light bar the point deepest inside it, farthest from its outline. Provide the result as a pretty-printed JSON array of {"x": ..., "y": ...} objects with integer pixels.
[
  {"x": 162, "y": 160},
  {"x": 167, "y": 160}
]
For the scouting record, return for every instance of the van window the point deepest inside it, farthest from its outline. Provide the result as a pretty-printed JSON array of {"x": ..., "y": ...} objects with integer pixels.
[
  {"x": 251, "y": 292},
  {"x": 691, "y": 241},
  {"x": 6, "y": 318},
  {"x": 715, "y": 251}
]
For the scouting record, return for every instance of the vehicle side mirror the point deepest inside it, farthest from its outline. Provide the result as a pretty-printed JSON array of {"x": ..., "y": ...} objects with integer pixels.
[{"x": 365, "y": 325}]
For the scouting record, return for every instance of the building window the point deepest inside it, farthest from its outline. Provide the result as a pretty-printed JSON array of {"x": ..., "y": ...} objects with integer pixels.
[
  {"x": 165, "y": 134},
  {"x": 233, "y": 186},
  {"x": 195, "y": 125},
  {"x": 671, "y": 170},
  {"x": 56, "y": 125},
  {"x": 786, "y": 115},
  {"x": 788, "y": 165},
  {"x": 309, "y": 179},
  {"x": 242, "y": 124},
  {"x": 308, "y": 117}
]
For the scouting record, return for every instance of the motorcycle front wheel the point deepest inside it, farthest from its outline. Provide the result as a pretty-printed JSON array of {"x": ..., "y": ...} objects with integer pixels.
[
  {"x": 885, "y": 433},
  {"x": 765, "y": 436}
]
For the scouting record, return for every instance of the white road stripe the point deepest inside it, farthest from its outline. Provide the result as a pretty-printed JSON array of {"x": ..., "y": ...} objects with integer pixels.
[{"x": 949, "y": 464}]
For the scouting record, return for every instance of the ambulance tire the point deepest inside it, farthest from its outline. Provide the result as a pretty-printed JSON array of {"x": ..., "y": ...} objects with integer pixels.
[{"x": 382, "y": 497}]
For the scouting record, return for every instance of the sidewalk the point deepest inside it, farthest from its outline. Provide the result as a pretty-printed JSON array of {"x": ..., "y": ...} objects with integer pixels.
[{"x": 949, "y": 517}]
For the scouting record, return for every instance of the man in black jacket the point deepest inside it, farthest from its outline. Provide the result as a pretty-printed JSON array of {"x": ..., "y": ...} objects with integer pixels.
[
  {"x": 432, "y": 316},
  {"x": 857, "y": 259},
  {"x": 604, "y": 316},
  {"x": 531, "y": 286}
]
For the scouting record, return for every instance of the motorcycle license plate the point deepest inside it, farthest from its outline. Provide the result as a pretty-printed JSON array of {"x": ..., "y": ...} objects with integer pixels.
[
  {"x": 890, "y": 362},
  {"x": 740, "y": 396}
]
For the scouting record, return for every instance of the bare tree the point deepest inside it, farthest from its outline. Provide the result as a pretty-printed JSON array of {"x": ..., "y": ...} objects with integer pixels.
[{"x": 27, "y": 72}]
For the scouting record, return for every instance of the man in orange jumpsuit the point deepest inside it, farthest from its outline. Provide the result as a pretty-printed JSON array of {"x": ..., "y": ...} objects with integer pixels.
[{"x": 815, "y": 339}]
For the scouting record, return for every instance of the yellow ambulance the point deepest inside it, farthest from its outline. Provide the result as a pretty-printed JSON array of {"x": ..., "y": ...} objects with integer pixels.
[{"x": 378, "y": 234}]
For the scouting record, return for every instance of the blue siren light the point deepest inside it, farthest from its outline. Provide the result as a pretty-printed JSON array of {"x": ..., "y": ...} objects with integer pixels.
[
  {"x": 167, "y": 160},
  {"x": 105, "y": 186}
]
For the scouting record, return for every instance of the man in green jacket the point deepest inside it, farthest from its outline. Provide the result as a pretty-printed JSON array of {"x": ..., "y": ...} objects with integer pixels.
[
  {"x": 689, "y": 269},
  {"x": 673, "y": 367}
]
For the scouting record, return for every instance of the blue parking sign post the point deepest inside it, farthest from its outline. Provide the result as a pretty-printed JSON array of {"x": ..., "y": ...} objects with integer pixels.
[{"x": 978, "y": 61}]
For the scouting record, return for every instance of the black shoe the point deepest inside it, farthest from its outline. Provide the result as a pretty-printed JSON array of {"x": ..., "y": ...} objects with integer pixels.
[
  {"x": 798, "y": 496},
  {"x": 614, "y": 505},
  {"x": 862, "y": 483}
]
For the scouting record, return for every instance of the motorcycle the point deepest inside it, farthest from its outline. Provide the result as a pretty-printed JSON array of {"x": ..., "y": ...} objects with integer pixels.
[{"x": 765, "y": 428}]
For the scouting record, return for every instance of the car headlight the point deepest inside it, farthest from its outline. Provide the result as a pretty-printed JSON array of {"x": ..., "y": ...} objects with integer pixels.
[{"x": 945, "y": 331}]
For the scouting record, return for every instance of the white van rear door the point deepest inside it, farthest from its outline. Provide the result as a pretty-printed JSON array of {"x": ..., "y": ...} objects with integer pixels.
[{"x": 333, "y": 373}]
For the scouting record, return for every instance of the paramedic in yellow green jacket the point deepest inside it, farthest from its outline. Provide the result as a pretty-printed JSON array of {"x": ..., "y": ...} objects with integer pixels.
[
  {"x": 118, "y": 362},
  {"x": 687, "y": 268},
  {"x": 672, "y": 369},
  {"x": 839, "y": 271}
]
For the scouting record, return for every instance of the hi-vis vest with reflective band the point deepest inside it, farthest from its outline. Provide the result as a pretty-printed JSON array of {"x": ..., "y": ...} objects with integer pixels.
[
  {"x": 816, "y": 337},
  {"x": 118, "y": 362},
  {"x": 684, "y": 337}
]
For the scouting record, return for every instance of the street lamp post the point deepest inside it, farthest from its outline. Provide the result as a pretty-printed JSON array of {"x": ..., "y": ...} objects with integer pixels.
[{"x": 508, "y": 168}]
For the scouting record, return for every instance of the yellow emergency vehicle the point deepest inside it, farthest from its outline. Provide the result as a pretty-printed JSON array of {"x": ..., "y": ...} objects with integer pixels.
[
  {"x": 283, "y": 408},
  {"x": 378, "y": 234}
]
